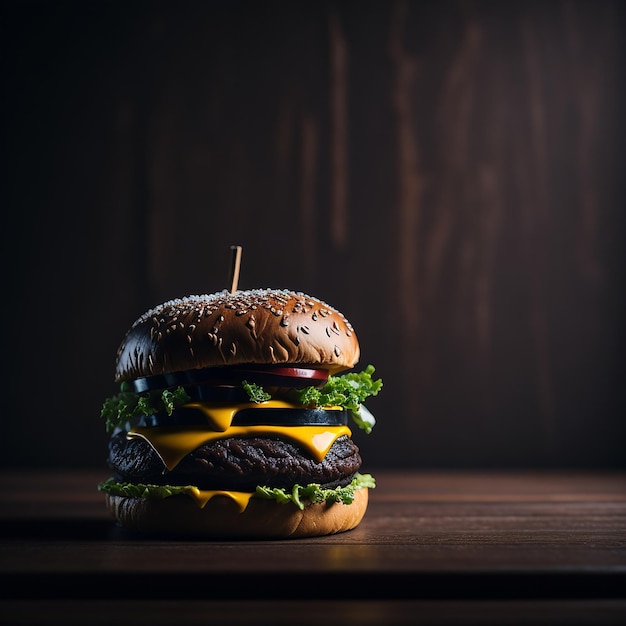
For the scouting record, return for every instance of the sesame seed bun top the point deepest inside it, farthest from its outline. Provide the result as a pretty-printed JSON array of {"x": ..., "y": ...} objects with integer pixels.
[{"x": 260, "y": 326}]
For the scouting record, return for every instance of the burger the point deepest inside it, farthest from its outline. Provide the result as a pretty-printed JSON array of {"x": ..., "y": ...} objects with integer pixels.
[{"x": 234, "y": 417}]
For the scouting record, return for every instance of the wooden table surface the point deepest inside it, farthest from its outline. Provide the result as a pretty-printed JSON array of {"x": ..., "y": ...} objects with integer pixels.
[{"x": 434, "y": 548}]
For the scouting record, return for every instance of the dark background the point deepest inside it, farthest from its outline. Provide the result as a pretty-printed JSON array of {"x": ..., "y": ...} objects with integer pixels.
[{"x": 448, "y": 174}]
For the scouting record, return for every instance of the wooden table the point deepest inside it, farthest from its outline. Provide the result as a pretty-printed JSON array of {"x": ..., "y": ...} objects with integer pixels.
[{"x": 434, "y": 548}]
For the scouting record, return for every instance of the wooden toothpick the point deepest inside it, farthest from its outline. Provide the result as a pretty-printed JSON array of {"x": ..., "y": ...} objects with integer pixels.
[{"x": 234, "y": 269}]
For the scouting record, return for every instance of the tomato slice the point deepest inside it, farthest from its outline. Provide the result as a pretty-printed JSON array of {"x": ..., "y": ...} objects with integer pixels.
[{"x": 264, "y": 375}]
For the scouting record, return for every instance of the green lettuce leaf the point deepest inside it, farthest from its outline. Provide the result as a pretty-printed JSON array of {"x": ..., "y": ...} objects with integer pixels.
[
  {"x": 313, "y": 493},
  {"x": 255, "y": 392},
  {"x": 299, "y": 495},
  {"x": 127, "y": 404},
  {"x": 348, "y": 391},
  {"x": 141, "y": 490}
]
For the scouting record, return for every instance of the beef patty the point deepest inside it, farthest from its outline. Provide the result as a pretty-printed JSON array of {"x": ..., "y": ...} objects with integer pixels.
[{"x": 237, "y": 463}]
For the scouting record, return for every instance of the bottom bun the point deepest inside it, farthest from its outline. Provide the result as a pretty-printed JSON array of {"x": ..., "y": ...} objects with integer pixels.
[{"x": 221, "y": 518}]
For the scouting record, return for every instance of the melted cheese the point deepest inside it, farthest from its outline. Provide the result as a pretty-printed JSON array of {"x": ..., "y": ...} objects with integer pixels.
[
  {"x": 220, "y": 416},
  {"x": 201, "y": 496},
  {"x": 172, "y": 443}
]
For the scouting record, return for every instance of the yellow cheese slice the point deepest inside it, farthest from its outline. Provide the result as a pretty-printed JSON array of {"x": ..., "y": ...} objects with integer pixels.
[
  {"x": 220, "y": 417},
  {"x": 202, "y": 496},
  {"x": 172, "y": 443}
]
